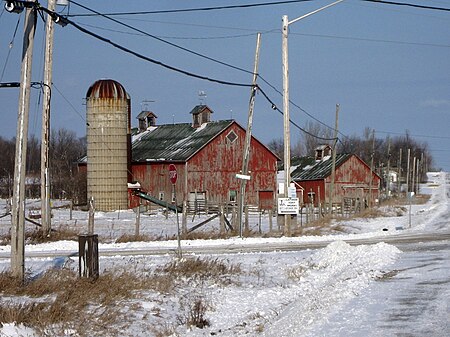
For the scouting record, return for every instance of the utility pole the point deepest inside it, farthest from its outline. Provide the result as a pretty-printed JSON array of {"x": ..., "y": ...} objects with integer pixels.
[
  {"x": 287, "y": 136},
  {"x": 286, "y": 119},
  {"x": 399, "y": 188},
  {"x": 407, "y": 170},
  {"x": 333, "y": 164},
  {"x": 18, "y": 200},
  {"x": 371, "y": 168},
  {"x": 388, "y": 175},
  {"x": 248, "y": 134},
  {"x": 45, "y": 136}
]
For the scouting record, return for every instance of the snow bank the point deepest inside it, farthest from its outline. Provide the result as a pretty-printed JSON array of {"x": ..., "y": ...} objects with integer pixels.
[{"x": 331, "y": 277}]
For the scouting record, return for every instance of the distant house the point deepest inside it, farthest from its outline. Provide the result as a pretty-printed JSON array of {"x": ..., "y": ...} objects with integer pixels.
[
  {"x": 207, "y": 155},
  {"x": 353, "y": 178}
]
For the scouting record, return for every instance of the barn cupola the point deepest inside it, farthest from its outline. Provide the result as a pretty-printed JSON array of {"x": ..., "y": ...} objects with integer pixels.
[
  {"x": 200, "y": 114},
  {"x": 323, "y": 151},
  {"x": 146, "y": 119}
]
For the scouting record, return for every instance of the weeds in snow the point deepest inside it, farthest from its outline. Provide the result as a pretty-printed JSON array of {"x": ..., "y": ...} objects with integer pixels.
[{"x": 59, "y": 300}]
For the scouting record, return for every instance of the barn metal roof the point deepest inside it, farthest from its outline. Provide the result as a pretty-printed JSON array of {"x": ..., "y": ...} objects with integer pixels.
[
  {"x": 174, "y": 142},
  {"x": 309, "y": 169}
]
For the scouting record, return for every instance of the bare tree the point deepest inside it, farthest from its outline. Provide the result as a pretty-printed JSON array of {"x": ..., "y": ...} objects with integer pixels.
[
  {"x": 316, "y": 135},
  {"x": 65, "y": 150},
  {"x": 277, "y": 147}
]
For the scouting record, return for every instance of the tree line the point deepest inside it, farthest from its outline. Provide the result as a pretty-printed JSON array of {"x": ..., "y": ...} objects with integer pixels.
[{"x": 65, "y": 149}]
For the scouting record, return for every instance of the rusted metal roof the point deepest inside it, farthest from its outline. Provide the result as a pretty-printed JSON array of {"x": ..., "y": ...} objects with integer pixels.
[
  {"x": 106, "y": 89},
  {"x": 309, "y": 169},
  {"x": 174, "y": 142}
]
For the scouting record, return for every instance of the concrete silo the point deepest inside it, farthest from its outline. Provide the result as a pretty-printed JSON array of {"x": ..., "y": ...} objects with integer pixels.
[{"x": 107, "y": 105}]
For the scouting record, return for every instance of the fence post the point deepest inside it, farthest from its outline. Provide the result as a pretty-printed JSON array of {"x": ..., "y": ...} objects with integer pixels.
[
  {"x": 184, "y": 219},
  {"x": 138, "y": 220},
  {"x": 246, "y": 225},
  {"x": 88, "y": 256},
  {"x": 222, "y": 219},
  {"x": 91, "y": 215},
  {"x": 270, "y": 221}
]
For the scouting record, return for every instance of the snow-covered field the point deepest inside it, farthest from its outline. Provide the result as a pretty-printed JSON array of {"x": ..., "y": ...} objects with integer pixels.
[{"x": 340, "y": 290}]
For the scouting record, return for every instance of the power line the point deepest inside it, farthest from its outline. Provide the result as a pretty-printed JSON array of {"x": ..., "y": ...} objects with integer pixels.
[
  {"x": 250, "y": 5},
  {"x": 10, "y": 46},
  {"x": 161, "y": 40},
  {"x": 406, "y": 4},
  {"x": 177, "y": 37},
  {"x": 374, "y": 40},
  {"x": 143, "y": 57},
  {"x": 412, "y": 135},
  {"x": 199, "y": 9},
  {"x": 127, "y": 50}
]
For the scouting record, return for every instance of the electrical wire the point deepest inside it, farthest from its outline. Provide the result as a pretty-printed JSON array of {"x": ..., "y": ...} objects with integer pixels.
[
  {"x": 406, "y": 4},
  {"x": 175, "y": 37},
  {"x": 251, "y": 5},
  {"x": 189, "y": 73},
  {"x": 10, "y": 46},
  {"x": 162, "y": 40},
  {"x": 419, "y": 136},
  {"x": 202, "y": 56},
  {"x": 200, "y": 9},
  {"x": 374, "y": 40}
]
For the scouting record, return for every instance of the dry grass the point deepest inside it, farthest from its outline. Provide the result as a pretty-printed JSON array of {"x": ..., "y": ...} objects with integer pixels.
[
  {"x": 200, "y": 269},
  {"x": 419, "y": 199},
  {"x": 37, "y": 236},
  {"x": 322, "y": 226},
  {"x": 135, "y": 238},
  {"x": 59, "y": 299}
]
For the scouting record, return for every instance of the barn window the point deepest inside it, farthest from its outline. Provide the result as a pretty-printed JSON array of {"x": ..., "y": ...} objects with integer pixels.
[
  {"x": 232, "y": 136},
  {"x": 161, "y": 195}
]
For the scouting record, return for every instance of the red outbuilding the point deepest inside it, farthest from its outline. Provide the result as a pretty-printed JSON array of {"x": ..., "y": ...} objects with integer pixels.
[{"x": 354, "y": 180}]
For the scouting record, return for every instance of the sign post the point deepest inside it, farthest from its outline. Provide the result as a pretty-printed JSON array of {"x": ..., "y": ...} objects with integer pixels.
[
  {"x": 410, "y": 198},
  {"x": 173, "y": 179}
]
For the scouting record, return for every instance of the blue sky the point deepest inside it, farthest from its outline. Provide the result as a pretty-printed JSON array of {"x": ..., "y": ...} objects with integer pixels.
[{"x": 387, "y": 66}]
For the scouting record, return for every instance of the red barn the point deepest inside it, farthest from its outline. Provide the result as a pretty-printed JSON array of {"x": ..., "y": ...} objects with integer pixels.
[
  {"x": 353, "y": 178},
  {"x": 207, "y": 156}
]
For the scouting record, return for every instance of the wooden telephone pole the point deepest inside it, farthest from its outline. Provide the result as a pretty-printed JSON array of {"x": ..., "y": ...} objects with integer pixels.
[
  {"x": 333, "y": 164},
  {"x": 45, "y": 136},
  {"x": 18, "y": 200},
  {"x": 248, "y": 134}
]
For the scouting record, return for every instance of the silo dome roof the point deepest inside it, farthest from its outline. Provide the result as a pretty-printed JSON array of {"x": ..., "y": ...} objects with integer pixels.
[{"x": 107, "y": 89}]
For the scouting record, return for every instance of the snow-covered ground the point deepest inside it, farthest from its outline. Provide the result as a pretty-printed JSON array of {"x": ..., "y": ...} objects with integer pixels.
[{"x": 374, "y": 290}]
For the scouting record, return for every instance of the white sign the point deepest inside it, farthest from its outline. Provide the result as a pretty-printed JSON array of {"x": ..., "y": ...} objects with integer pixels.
[
  {"x": 288, "y": 206},
  {"x": 292, "y": 192},
  {"x": 242, "y": 176}
]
